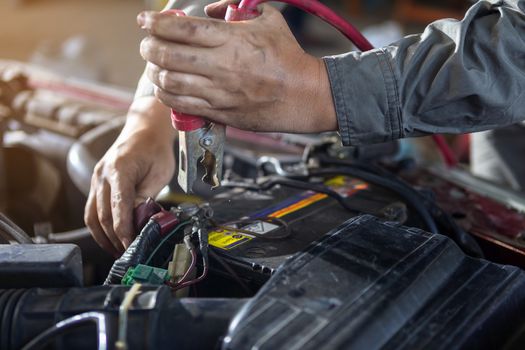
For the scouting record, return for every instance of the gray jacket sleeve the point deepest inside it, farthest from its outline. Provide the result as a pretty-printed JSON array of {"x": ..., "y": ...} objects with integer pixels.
[{"x": 455, "y": 77}]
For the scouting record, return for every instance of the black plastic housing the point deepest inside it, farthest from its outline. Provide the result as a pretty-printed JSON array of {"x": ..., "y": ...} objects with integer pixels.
[
  {"x": 365, "y": 285},
  {"x": 156, "y": 319},
  {"x": 40, "y": 265},
  {"x": 372, "y": 285}
]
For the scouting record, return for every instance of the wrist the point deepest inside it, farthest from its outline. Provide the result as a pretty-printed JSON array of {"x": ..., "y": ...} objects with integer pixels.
[
  {"x": 147, "y": 115},
  {"x": 315, "y": 98},
  {"x": 325, "y": 109}
]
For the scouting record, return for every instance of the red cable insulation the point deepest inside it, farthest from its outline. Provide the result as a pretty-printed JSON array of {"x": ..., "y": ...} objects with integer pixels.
[
  {"x": 315, "y": 8},
  {"x": 190, "y": 268},
  {"x": 326, "y": 14},
  {"x": 446, "y": 152}
]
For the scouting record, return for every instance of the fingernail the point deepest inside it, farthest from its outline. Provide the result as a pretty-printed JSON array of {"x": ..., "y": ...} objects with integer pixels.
[{"x": 141, "y": 19}]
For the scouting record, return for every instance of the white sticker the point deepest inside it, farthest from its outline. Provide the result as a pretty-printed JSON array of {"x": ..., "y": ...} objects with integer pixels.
[{"x": 260, "y": 227}]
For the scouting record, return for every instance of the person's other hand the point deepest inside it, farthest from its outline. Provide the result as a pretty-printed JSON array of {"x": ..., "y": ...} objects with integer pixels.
[
  {"x": 250, "y": 74},
  {"x": 137, "y": 166}
]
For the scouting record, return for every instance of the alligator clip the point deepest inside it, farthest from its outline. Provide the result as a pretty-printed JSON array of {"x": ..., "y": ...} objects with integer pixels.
[{"x": 199, "y": 142}]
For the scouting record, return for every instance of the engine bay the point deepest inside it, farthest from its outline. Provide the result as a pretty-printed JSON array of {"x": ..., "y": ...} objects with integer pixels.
[{"x": 306, "y": 244}]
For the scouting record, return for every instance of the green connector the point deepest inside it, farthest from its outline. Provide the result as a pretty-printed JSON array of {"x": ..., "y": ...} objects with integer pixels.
[{"x": 146, "y": 275}]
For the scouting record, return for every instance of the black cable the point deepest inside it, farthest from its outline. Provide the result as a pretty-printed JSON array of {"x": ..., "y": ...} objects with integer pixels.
[
  {"x": 231, "y": 272},
  {"x": 137, "y": 252},
  {"x": 406, "y": 192},
  {"x": 427, "y": 209},
  {"x": 13, "y": 231},
  {"x": 302, "y": 185},
  {"x": 409, "y": 195},
  {"x": 70, "y": 323}
]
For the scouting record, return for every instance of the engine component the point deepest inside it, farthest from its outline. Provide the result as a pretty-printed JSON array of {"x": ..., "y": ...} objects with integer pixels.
[
  {"x": 137, "y": 253},
  {"x": 145, "y": 274},
  {"x": 390, "y": 287},
  {"x": 155, "y": 318},
  {"x": 496, "y": 217},
  {"x": 258, "y": 229},
  {"x": 40, "y": 265}
]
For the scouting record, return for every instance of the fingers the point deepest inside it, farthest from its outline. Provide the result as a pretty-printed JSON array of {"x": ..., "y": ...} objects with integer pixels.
[
  {"x": 179, "y": 83},
  {"x": 176, "y": 57},
  {"x": 105, "y": 216},
  {"x": 218, "y": 9},
  {"x": 91, "y": 220},
  {"x": 122, "y": 200},
  {"x": 184, "y": 104},
  {"x": 187, "y": 30}
]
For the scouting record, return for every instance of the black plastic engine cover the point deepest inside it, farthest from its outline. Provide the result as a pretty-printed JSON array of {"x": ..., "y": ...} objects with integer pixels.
[
  {"x": 40, "y": 265},
  {"x": 370, "y": 285}
]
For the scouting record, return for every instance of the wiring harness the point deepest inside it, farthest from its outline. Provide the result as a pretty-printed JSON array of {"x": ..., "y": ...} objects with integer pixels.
[{"x": 147, "y": 259}]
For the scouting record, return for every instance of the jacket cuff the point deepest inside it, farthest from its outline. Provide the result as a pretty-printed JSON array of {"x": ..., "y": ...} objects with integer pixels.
[{"x": 366, "y": 100}]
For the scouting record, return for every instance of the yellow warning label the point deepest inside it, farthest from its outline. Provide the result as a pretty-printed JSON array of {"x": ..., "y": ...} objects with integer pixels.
[{"x": 227, "y": 239}]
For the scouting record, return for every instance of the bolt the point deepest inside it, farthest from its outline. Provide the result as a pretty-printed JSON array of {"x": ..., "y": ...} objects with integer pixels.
[{"x": 207, "y": 142}]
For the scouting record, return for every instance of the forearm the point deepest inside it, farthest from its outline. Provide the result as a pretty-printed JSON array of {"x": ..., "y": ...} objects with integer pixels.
[
  {"x": 458, "y": 76},
  {"x": 148, "y": 115}
]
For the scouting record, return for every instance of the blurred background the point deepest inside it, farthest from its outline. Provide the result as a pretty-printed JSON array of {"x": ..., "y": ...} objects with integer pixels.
[{"x": 98, "y": 39}]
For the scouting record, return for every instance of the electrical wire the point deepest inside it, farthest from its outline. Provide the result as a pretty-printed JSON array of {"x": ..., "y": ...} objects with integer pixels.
[
  {"x": 164, "y": 240},
  {"x": 136, "y": 253},
  {"x": 12, "y": 231},
  {"x": 177, "y": 286},
  {"x": 429, "y": 212},
  {"x": 292, "y": 183},
  {"x": 326, "y": 14},
  {"x": 232, "y": 273},
  {"x": 122, "y": 343},
  {"x": 448, "y": 155},
  {"x": 409, "y": 195},
  {"x": 70, "y": 323},
  {"x": 203, "y": 246},
  {"x": 193, "y": 263}
]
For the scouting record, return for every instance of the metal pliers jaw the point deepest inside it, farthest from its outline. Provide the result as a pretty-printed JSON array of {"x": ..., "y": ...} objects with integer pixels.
[{"x": 204, "y": 145}]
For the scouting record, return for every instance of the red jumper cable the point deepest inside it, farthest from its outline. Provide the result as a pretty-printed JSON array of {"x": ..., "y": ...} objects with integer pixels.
[{"x": 204, "y": 141}]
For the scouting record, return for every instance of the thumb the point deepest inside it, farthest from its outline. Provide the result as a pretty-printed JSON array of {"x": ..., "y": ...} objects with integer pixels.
[{"x": 218, "y": 9}]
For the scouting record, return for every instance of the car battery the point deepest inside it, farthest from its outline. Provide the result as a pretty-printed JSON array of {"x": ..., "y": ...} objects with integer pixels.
[{"x": 256, "y": 231}]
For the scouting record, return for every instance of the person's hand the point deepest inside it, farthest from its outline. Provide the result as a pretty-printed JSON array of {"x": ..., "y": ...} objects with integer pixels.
[
  {"x": 250, "y": 74},
  {"x": 137, "y": 166}
]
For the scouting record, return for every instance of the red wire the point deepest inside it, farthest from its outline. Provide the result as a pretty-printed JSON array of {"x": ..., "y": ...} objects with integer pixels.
[
  {"x": 182, "y": 285},
  {"x": 445, "y": 150},
  {"x": 317, "y": 9},
  {"x": 190, "y": 268}
]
